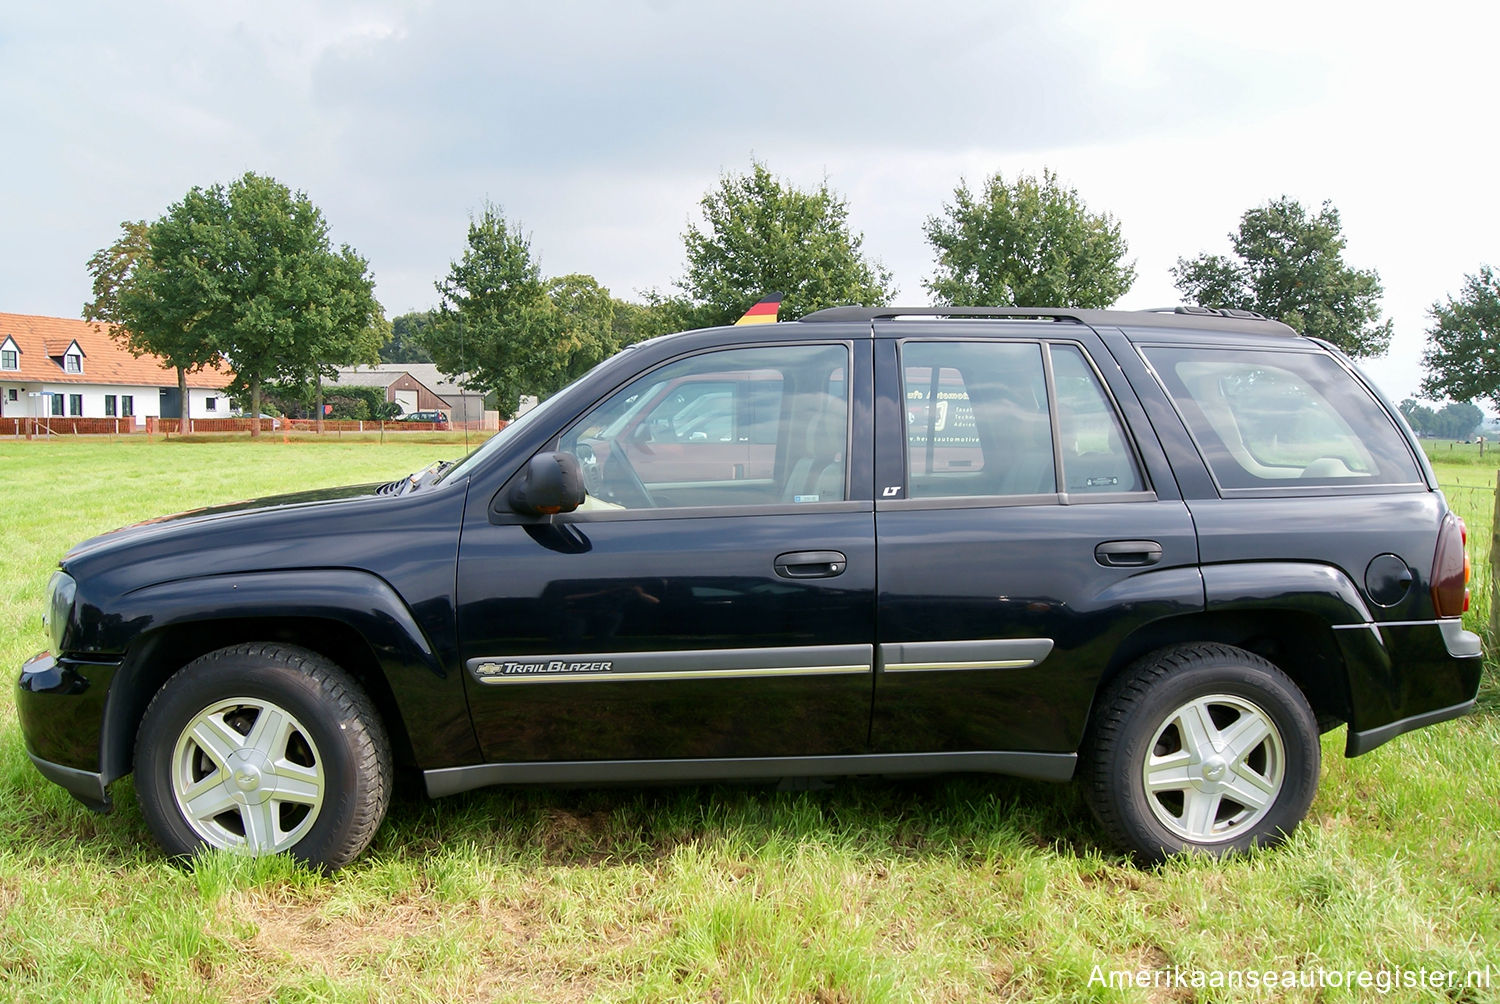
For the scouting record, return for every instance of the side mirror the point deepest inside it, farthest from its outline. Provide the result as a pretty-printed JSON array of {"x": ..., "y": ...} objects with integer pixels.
[{"x": 550, "y": 484}]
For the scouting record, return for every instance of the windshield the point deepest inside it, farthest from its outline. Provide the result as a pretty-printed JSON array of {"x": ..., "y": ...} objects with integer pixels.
[{"x": 500, "y": 438}]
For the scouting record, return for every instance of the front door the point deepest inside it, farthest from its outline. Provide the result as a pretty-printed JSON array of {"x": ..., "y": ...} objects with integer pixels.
[
  {"x": 170, "y": 402},
  {"x": 1023, "y": 544},
  {"x": 713, "y": 598}
]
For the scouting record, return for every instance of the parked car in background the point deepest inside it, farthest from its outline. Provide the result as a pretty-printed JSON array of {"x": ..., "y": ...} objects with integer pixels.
[
  {"x": 267, "y": 421},
  {"x": 437, "y": 418}
]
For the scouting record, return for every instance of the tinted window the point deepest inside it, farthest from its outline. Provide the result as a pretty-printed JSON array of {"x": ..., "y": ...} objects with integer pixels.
[
  {"x": 1094, "y": 452},
  {"x": 976, "y": 419},
  {"x": 1282, "y": 419},
  {"x": 739, "y": 427}
]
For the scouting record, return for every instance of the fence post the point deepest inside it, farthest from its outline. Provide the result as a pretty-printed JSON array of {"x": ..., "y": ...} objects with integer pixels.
[{"x": 1494, "y": 565}]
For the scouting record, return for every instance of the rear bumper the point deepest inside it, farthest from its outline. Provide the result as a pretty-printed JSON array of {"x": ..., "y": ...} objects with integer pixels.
[
  {"x": 1364, "y": 742},
  {"x": 1406, "y": 675}
]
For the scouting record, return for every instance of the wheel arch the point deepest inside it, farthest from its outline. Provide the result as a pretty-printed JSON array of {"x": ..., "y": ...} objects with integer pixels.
[
  {"x": 352, "y": 618},
  {"x": 1300, "y": 644},
  {"x": 161, "y": 654}
]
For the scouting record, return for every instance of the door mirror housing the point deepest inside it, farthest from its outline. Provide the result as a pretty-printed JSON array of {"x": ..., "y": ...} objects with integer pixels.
[{"x": 551, "y": 483}]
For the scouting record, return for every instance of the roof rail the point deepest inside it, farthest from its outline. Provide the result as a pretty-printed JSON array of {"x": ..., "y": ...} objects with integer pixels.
[
  {"x": 886, "y": 313},
  {"x": 1202, "y": 319},
  {"x": 1215, "y": 312}
]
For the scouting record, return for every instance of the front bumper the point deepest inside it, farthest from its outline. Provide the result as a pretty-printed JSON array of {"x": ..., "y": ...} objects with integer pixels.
[
  {"x": 60, "y": 704},
  {"x": 85, "y": 785}
]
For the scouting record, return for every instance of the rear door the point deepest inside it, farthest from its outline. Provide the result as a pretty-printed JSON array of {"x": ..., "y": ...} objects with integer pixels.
[
  {"x": 714, "y": 597},
  {"x": 1022, "y": 534}
]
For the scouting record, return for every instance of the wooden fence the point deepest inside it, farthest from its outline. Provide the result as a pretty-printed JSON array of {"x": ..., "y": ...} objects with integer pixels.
[{"x": 60, "y": 426}]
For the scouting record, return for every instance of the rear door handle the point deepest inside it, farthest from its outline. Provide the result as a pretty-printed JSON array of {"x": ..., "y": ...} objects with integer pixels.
[
  {"x": 1127, "y": 553},
  {"x": 811, "y": 564}
]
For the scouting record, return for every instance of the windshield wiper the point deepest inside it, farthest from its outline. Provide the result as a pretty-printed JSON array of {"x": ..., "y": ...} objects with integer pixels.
[{"x": 417, "y": 479}]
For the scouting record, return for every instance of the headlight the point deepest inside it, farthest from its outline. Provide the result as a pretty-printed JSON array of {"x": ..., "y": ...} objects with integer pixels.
[{"x": 59, "y": 607}]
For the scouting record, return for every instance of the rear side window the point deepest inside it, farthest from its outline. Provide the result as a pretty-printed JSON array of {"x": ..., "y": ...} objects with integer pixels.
[
  {"x": 1094, "y": 455},
  {"x": 1284, "y": 420},
  {"x": 976, "y": 419},
  {"x": 979, "y": 422}
]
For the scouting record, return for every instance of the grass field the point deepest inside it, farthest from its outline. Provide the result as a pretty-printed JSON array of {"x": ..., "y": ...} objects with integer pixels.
[{"x": 943, "y": 890}]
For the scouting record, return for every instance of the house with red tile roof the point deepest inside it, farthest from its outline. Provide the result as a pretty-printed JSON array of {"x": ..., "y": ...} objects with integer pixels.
[{"x": 60, "y": 367}]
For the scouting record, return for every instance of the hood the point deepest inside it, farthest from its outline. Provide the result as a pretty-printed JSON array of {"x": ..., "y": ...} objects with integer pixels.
[{"x": 248, "y": 510}]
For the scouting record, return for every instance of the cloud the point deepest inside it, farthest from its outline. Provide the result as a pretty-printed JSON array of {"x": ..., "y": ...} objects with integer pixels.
[{"x": 598, "y": 126}]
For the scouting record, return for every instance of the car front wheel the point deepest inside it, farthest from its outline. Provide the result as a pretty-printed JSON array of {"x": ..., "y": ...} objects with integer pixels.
[
  {"x": 1201, "y": 748},
  {"x": 263, "y": 749}
]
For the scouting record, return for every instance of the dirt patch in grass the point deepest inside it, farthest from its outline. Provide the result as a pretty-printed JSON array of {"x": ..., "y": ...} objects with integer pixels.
[
  {"x": 570, "y": 836},
  {"x": 470, "y": 951}
]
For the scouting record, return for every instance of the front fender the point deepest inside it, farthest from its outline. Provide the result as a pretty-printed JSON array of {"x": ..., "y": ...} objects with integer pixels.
[{"x": 427, "y": 696}]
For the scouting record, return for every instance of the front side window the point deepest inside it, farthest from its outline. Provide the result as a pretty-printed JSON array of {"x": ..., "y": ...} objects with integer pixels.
[
  {"x": 1284, "y": 420},
  {"x": 57, "y": 404},
  {"x": 10, "y": 359},
  {"x": 13, "y": 396},
  {"x": 756, "y": 426},
  {"x": 75, "y": 405},
  {"x": 127, "y": 405},
  {"x": 73, "y": 362},
  {"x": 110, "y": 406},
  {"x": 211, "y": 404}
]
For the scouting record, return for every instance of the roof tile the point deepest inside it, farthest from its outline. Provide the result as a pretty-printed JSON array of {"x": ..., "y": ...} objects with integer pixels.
[{"x": 107, "y": 361}]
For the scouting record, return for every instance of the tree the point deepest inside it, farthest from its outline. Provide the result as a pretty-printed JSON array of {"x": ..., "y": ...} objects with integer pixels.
[
  {"x": 1422, "y": 419},
  {"x": 1289, "y": 265},
  {"x": 1455, "y": 420},
  {"x": 509, "y": 331},
  {"x": 759, "y": 236},
  {"x": 407, "y": 333},
  {"x": 1461, "y": 357},
  {"x": 495, "y": 323},
  {"x": 146, "y": 327},
  {"x": 1458, "y": 419},
  {"x": 283, "y": 301},
  {"x": 247, "y": 271},
  {"x": 594, "y": 324},
  {"x": 1032, "y": 243}
]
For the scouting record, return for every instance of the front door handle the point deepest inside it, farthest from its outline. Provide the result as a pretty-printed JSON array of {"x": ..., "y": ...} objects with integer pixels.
[
  {"x": 1127, "y": 553},
  {"x": 811, "y": 564}
]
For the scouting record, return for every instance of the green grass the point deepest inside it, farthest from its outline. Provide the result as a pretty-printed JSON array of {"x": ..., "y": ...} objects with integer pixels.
[{"x": 943, "y": 890}]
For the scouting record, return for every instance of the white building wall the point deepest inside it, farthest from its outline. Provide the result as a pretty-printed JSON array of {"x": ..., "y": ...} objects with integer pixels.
[
  {"x": 200, "y": 399},
  {"x": 32, "y": 403}
]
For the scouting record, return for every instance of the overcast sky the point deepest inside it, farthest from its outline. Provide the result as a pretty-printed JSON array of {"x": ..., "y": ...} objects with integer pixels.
[{"x": 599, "y": 126}]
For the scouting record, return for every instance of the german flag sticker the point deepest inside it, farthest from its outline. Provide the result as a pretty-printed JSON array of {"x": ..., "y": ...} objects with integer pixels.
[{"x": 763, "y": 312}]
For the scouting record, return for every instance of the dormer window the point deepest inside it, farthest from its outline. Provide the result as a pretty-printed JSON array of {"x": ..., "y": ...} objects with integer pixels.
[
  {"x": 68, "y": 355},
  {"x": 10, "y": 355}
]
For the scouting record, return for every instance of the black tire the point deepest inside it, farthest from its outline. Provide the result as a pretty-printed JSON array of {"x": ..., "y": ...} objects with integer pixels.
[
  {"x": 1183, "y": 714},
  {"x": 263, "y": 748}
]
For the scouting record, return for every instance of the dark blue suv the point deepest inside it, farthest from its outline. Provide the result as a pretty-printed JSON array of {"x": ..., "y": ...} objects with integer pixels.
[{"x": 1160, "y": 551}]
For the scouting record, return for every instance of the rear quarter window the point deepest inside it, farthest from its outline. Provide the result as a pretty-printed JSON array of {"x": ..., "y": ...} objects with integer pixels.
[{"x": 1282, "y": 420}]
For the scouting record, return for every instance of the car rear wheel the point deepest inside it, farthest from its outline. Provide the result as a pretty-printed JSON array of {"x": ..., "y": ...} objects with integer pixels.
[
  {"x": 263, "y": 749},
  {"x": 1201, "y": 748}
]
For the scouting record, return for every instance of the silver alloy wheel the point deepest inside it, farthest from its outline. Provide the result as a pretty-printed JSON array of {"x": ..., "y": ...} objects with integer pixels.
[
  {"x": 1214, "y": 768},
  {"x": 247, "y": 776}
]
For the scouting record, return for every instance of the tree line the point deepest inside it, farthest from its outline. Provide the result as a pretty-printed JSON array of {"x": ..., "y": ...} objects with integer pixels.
[{"x": 247, "y": 273}]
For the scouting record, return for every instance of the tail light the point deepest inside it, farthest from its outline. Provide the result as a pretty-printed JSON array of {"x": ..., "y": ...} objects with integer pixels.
[{"x": 1450, "y": 568}]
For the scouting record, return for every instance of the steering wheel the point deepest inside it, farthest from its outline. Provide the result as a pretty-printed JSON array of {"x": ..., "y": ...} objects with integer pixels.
[
  {"x": 620, "y": 474},
  {"x": 588, "y": 463}
]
